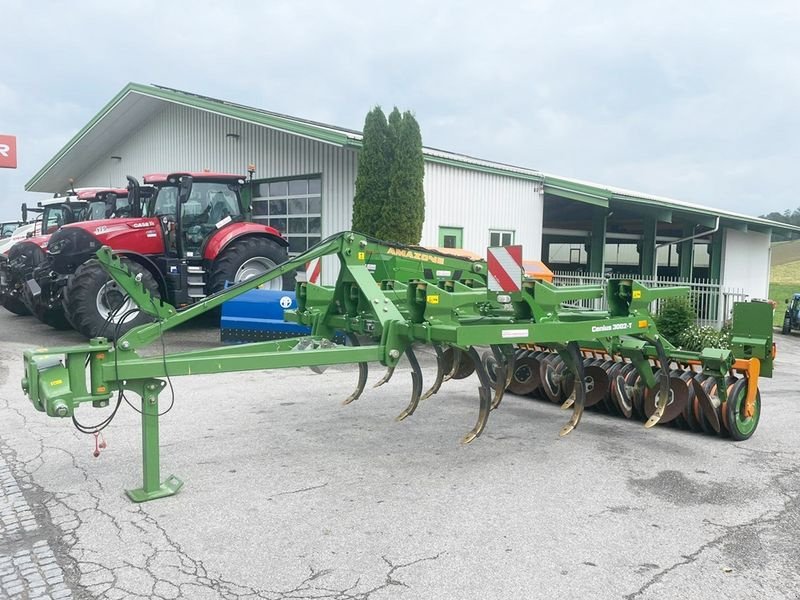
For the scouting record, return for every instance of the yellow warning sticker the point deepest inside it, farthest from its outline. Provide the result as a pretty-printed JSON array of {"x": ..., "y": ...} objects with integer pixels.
[
  {"x": 637, "y": 294},
  {"x": 56, "y": 382},
  {"x": 643, "y": 324},
  {"x": 101, "y": 389},
  {"x": 433, "y": 299},
  {"x": 362, "y": 256}
]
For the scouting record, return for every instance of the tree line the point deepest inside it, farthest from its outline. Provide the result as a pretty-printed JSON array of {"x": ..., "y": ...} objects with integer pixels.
[{"x": 789, "y": 217}]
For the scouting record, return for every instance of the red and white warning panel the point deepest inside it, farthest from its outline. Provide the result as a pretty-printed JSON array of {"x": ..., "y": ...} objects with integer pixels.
[
  {"x": 505, "y": 268},
  {"x": 313, "y": 270}
]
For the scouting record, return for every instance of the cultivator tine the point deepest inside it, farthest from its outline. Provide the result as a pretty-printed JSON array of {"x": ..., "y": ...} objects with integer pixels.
[
  {"x": 456, "y": 364},
  {"x": 416, "y": 385},
  {"x": 503, "y": 371},
  {"x": 664, "y": 389},
  {"x": 485, "y": 396},
  {"x": 439, "y": 373},
  {"x": 386, "y": 377},
  {"x": 580, "y": 389},
  {"x": 363, "y": 372}
]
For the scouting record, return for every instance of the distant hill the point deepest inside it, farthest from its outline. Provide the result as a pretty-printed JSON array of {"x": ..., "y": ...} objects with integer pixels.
[
  {"x": 785, "y": 252},
  {"x": 786, "y": 273}
]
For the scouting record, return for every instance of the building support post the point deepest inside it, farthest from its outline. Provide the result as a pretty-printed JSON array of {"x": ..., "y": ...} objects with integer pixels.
[
  {"x": 686, "y": 254},
  {"x": 597, "y": 243},
  {"x": 647, "y": 254},
  {"x": 715, "y": 271},
  {"x": 546, "y": 250}
]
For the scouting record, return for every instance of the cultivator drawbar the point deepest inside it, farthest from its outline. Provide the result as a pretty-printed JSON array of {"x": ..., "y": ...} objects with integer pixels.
[{"x": 389, "y": 299}]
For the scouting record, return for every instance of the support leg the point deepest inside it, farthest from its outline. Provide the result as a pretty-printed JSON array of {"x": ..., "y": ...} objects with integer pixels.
[{"x": 152, "y": 487}]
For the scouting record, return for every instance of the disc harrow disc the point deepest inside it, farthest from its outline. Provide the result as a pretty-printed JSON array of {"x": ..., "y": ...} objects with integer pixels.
[
  {"x": 526, "y": 378},
  {"x": 549, "y": 377},
  {"x": 596, "y": 381},
  {"x": 678, "y": 398}
]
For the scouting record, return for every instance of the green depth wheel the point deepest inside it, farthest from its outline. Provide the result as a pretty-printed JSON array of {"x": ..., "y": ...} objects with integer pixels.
[{"x": 740, "y": 426}]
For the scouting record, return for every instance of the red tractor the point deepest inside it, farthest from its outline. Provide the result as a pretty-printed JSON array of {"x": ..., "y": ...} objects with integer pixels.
[
  {"x": 192, "y": 240},
  {"x": 21, "y": 259},
  {"x": 37, "y": 276}
]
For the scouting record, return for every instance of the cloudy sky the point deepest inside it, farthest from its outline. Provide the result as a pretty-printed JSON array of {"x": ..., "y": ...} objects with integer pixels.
[{"x": 695, "y": 100}]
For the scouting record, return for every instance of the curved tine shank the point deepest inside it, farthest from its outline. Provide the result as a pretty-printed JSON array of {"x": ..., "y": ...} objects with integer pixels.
[
  {"x": 386, "y": 377},
  {"x": 580, "y": 389},
  {"x": 501, "y": 375},
  {"x": 439, "y": 373},
  {"x": 416, "y": 384},
  {"x": 664, "y": 391},
  {"x": 511, "y": 363},
  {"x": 456, "y": 364},
  {"x": 363, "y": 372},
  {"x": 485, "y": 395}
]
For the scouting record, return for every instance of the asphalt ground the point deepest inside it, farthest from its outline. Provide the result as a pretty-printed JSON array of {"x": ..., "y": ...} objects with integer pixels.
[{"x": 289, "y": 494}]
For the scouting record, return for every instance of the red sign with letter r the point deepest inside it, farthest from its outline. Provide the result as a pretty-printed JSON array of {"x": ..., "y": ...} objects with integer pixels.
[{"x": 8, "y": 152}]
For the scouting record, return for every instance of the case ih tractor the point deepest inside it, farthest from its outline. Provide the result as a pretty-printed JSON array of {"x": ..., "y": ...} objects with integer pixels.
[
  {"x": 36, "y": 274},
  {"x": 192, "y": 240},
  {"x": 20, "y": 258}
]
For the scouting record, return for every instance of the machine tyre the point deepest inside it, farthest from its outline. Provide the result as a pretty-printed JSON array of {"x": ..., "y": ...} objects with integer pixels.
[
  {"x": 15, "y": 305},
  {"x": 91, "y": 290},
  {"x": 239, "y": 253},
  {"x": 54, "y": 317},
  {"x": 787, "y": 326},
  {"x": 741, "y": 427}
]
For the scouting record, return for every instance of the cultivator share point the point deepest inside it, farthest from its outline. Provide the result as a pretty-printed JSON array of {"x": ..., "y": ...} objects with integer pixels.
[{"x": 389, "y": 298}]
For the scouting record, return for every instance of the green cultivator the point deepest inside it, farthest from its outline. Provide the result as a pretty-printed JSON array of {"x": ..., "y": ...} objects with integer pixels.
[{"x": 389, "y": 298}]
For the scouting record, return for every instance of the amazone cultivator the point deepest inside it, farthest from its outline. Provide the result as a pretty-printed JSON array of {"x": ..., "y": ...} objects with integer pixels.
[{"x": 389, "y": 298}]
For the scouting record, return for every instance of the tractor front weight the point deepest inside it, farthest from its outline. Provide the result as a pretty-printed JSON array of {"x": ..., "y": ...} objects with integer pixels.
[{"x": 389, "y": 298}]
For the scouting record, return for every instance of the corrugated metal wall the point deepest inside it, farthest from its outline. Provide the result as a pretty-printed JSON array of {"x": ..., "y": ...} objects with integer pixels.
[
  {"x": 478, "y": 202},
  {"x": 180, "y": 138}
]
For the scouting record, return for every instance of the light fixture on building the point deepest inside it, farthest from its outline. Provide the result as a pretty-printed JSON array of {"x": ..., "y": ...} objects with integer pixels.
[
  {"x": 116, "y": 158},
  {"x": 232, "y": 136}
]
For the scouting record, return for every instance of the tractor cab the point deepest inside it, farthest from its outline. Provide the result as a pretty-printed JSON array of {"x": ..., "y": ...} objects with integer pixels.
[
  {"x": 8, "y": 228},
  {"x": 83, "y": 204},
  {"x": 791, "y": 319},
  {"x": 191, "y": 207}
]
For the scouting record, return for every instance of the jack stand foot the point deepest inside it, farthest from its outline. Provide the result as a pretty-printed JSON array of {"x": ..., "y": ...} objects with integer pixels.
[{"x": 170, "y": 487}]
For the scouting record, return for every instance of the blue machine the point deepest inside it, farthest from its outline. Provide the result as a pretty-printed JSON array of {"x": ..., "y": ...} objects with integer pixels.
[{"x": 257, "y": 315}]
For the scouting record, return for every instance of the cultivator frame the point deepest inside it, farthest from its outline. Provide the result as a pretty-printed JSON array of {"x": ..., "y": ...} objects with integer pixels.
[{"x": 388, "y": 298}]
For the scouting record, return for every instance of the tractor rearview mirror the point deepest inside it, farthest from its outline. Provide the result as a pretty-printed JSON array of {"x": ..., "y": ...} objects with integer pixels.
[
  {"x": 184, "y": 189},
  {"x": 24, "y": 212}
]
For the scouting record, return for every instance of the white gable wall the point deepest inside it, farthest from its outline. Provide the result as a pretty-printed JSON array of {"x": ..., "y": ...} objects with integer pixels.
[{"x": 745, "y": 262}]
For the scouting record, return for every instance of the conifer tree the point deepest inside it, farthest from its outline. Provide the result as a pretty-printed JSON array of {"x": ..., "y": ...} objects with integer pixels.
[
  {"x": 372, "y": 180},
  {"x": 404, "y": 212}
]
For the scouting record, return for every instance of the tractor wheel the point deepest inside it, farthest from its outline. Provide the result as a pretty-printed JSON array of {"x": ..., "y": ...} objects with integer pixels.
[
  {"x": 247, "y": 258},
  {"x": 54, "y": 317},
  {"x": 97, "y": 306},
  {"x": 15, "y": 305},
  {"x": 787, "y": 326}
]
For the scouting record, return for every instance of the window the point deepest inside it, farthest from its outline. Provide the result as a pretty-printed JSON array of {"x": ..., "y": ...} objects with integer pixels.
[
  {"x": 293, "y": 207},
  {"x": 500, "y": 238},
  {"x": 450, "y": 237}
]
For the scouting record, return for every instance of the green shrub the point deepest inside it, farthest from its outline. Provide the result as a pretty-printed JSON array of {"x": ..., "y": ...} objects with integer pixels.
[
  {"x": 696, "y": 338},
  {"x": 675, "y": 316}
]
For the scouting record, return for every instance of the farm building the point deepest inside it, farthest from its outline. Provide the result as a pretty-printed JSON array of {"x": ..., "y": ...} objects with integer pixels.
[{"x": 304, "y": 186}]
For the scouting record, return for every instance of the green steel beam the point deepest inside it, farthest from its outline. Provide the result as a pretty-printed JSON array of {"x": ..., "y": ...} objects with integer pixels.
[
  {"x": 686, "y": 253},
  {"x": 647, "y": 255},
  {"x": 597, "y": 242}
]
